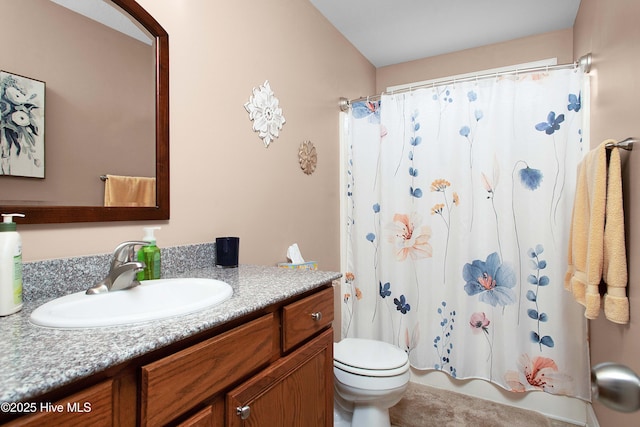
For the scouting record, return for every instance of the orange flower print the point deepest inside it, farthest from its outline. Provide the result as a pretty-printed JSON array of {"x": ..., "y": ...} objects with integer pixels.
[
  {"x": 409, "y": 238},
  {"x": 440, "y": 185},
  {"x": 349, "y": 277},
  {"x": 456, "y": 199},
  {"x": 437, "y": 209},
  {"x": 540, "y": 372},
  {"x": 358, "y": 294},
  {"x": 346, "y": 297}
]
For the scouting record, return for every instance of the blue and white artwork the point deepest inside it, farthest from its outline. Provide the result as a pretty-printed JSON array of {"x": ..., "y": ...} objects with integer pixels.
[{"x": 21, "y": 126}]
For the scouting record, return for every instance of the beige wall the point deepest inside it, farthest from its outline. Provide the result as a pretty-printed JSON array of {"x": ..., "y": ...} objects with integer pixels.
[
  {"x": 223, "y": 180},
  {"x": 99, "y": 110},
  {"x": 610, "y": 31},
  {"x": 556, "y": 44}
]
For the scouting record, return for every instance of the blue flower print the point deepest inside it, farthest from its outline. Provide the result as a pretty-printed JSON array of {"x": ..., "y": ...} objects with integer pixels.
[
  {"x": 575, "y": 102},
  {"x": 401, "y": 304},
  {"x": 385, "y": 290},
  {"x": 363, "y": 109},
  {"x": 552, "y": 124},
  {"x": 465, "y": 130},
  {"x": 371, "y": 237},
  {"x": 530, "y": 177},
  {"x": 415, "y": 192},
  {"x": 491, "y": 280},
  {"x": 472, "y": 96},
  {"x": 376, "y": 208}
]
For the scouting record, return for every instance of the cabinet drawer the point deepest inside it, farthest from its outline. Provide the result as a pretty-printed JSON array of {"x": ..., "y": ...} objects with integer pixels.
[
  {"x": 303, "y": 318},
  {"x": 175, "y": 384},
  {"x": 90, "y": 407}
]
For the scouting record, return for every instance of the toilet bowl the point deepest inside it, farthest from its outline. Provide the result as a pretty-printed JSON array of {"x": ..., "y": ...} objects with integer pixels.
[{"x": 370, "y": 377}]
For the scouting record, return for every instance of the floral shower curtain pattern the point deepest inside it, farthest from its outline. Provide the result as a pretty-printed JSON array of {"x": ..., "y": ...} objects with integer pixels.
[{"x": 459, "y": 202}]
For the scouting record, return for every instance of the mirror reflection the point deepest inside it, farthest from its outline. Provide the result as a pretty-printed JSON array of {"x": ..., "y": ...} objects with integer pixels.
[
  {"x": 106, "y": 108},
  {"x": 100, "y": 101}
]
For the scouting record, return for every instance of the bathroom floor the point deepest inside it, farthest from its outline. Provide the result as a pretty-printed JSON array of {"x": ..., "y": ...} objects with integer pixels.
[{"x": 424, "y": 406}]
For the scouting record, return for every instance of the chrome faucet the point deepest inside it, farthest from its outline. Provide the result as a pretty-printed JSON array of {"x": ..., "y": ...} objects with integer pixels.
[{"x": 123, "y": 270}]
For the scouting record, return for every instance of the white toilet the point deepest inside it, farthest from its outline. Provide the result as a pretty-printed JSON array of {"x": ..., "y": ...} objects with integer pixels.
[{"x": 370, "y": 377}]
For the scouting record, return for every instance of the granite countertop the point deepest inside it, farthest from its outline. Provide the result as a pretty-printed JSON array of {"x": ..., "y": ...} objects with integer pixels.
[{"x": 35, "y": 360}]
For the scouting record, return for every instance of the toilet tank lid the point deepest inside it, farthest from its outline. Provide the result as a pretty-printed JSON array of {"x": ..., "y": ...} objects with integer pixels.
[{"x": 369, "y": 354}]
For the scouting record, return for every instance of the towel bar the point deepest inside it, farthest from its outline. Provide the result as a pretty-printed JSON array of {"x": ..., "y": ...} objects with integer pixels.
[{"x": 625, "y": 144}]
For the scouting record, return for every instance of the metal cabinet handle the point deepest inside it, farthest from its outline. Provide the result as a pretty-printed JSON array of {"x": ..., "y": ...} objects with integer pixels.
[
  {"x": 316, "y": 316},
  {"x": 243, "y": 412}
]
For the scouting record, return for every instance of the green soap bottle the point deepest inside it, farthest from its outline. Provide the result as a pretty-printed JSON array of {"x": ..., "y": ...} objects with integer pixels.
[{"x": 150, "y": 255}]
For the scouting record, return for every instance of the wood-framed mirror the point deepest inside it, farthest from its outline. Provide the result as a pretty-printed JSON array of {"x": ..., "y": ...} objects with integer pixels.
[{"x": 38, "y": 209}]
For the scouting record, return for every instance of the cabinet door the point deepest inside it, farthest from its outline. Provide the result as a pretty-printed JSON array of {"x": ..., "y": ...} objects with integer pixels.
[
  {"x": 91, "y": 407},
  {"x": 295, "y": 391}
]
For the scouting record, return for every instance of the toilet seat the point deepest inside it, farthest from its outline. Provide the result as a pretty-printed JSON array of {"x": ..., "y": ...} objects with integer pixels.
[{"x": 369, "y": 358}]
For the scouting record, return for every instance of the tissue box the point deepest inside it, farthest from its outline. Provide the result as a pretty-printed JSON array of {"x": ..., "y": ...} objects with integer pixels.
[{"x": 309, "y": 265}]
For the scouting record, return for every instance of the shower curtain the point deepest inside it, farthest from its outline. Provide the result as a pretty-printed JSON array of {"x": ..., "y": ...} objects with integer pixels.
[{"x": 458, "y": 206}]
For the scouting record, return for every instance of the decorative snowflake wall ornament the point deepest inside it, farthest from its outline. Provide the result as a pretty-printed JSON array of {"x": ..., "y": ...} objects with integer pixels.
[{"x": 265, "y": 113}]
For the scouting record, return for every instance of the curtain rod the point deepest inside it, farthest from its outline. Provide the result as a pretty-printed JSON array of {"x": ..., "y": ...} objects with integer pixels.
[{"x": 584, "y": 63}]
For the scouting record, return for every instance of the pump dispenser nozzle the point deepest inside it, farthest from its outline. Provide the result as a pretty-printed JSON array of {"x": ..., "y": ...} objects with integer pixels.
[
  {"x": 148, "y": 234},
  {"x": 7, "y": 223}
]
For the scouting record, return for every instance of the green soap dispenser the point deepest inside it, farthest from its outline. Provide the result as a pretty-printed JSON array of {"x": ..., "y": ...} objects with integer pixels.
[{"x": 150, "y": 255}]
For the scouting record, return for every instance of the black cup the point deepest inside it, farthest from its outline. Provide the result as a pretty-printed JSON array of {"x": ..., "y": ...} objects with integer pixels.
[{"x": 227, "y": 251}]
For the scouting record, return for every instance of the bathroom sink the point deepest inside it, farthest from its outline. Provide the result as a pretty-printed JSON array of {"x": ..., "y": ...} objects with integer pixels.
[{"x": 151, "y": 300}]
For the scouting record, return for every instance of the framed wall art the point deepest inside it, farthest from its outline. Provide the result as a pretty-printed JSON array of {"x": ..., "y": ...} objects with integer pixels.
[{"x": 21, "y": 126}]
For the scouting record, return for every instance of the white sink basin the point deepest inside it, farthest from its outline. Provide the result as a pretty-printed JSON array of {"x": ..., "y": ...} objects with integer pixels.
[{"x": 152, "y": 300}]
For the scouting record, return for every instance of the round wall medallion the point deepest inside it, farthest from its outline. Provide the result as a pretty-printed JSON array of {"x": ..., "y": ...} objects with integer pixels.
[{"x": 308, "y": 157}]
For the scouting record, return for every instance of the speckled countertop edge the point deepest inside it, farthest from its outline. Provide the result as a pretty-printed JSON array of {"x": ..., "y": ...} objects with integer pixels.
[{"x": 35, "y": 360}]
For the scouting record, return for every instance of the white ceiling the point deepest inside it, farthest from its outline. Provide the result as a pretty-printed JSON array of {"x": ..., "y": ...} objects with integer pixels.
[
  {"x": 389, "y": 32},
  {"x": 107, "y": 14}
]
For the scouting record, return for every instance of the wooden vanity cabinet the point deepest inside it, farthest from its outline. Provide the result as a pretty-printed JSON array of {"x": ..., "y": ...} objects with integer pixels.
[
  {"x": 274, "y": 369},
  {"x": 279, "y": 365}
]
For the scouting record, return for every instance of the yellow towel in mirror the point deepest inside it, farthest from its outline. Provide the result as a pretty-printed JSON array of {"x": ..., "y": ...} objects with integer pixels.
[{"x": 131, "y": 191}]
